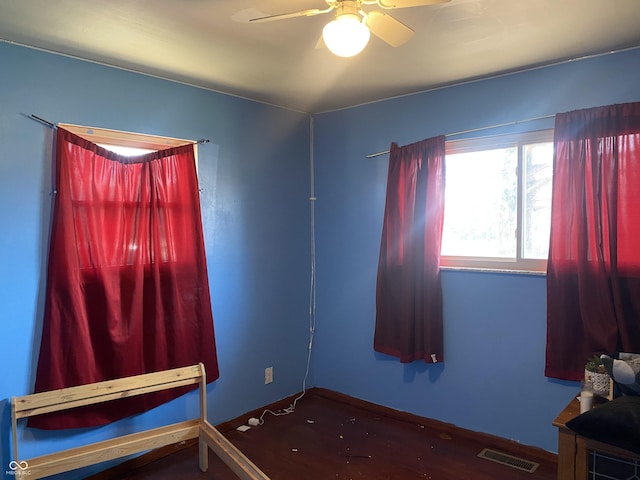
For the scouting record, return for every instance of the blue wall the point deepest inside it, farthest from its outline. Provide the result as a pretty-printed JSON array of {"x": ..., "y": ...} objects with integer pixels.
[
  {"x": 255, "y": 180},
  {"x": 254, "y": 176},
  {"x": 494, "y": 336}
]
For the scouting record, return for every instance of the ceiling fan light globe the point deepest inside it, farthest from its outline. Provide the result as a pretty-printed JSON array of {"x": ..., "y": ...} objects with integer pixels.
[{"x": 346, "y": 36}]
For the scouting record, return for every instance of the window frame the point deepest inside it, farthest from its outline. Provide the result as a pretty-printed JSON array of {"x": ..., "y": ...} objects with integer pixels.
[
  {"x": 519, "y": 264},
  {"x": 125, "y": 139},
  {"x": 121, "y": 138}
]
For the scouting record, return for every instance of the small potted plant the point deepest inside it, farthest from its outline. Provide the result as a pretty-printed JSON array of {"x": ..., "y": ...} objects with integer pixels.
[{"x": 596, "y": 374}]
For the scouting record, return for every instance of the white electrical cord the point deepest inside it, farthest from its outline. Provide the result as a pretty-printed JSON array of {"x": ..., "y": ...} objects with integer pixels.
[{"x": 312, "y": 286}]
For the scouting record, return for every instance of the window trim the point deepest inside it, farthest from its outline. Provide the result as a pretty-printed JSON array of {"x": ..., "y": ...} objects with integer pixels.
[
  {"x": 122, "y": 138},
  {"x": 506, "y": 265}
]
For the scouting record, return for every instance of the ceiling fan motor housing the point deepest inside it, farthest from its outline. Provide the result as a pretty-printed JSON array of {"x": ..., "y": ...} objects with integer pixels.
[{"x": 347, "y": 7}]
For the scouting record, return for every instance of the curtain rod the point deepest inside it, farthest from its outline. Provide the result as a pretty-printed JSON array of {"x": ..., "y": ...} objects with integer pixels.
[
  {"x": 372, "y": 155},
  {"x": 42, "y": 120},
  {"x": 52, "y": 125}
]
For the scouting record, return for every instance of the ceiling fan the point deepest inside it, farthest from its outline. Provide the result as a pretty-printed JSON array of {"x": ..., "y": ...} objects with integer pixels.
[{"x": 349, "y": 33}]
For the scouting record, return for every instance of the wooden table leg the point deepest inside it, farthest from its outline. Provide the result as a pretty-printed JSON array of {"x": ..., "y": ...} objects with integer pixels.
[
  {"x": 567, "y": 456},
  {"x": 581, "y": 457}
]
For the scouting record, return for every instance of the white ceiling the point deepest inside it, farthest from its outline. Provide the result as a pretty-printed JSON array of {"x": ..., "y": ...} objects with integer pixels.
[{"x": 211, "y": 44}]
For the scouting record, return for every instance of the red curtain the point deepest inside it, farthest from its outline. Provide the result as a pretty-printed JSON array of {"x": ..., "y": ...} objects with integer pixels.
[
  {"x": 593, "y": 274},
  {"x": 127, "y": 288},
  {"x": 409, "y": 289}
]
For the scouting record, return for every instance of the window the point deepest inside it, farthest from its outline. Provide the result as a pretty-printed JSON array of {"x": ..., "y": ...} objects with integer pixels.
[
  {"x": 498, "y": 202},
  {"x": 128, "y": 143},
  {"x": 127, "y": 281},
  {"x": 170, "y": 212}
]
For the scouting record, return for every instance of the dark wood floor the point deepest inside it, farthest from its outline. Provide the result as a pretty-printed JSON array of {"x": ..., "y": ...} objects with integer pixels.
[{"x": 328, "y": 438}]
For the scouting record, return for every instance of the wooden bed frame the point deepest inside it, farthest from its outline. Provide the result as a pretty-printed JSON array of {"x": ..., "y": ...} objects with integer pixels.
[{"x": 73, "y": 458}]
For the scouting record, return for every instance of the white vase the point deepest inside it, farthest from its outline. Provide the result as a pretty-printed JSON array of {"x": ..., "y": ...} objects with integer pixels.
[{"x": 600, "y": 382}]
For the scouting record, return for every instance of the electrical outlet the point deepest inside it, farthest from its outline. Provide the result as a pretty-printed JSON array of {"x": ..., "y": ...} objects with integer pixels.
[{"x": 268, "y": 375}]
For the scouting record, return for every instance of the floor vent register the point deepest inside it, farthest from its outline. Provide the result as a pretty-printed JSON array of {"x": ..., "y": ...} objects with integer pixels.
[{"x": 509, "y": 460}]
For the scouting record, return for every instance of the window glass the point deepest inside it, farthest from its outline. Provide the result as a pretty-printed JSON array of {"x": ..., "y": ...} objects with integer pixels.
[
  {"x": 480, "y": 204},
  {"x": 538, "y": 168},
  {"x": 126, "y": 151},
  {"x": 498, "y": 202}
]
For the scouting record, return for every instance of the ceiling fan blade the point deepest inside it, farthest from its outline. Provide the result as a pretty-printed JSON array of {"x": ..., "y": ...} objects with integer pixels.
[
  {"x": 392, "y": 31},
  {"x": 302, "y": 13},
  {"x": 408, "y": 3}
]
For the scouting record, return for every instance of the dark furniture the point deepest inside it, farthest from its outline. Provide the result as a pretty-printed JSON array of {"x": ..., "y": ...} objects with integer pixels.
[{"x": 578, "y": 456}]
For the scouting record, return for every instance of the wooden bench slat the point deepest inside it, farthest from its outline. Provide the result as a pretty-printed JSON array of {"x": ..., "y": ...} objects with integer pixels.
[
  {"x": 111, "y": 449},
  {"x": 80, "y": 402},
  {"x": 244, "y": 468},
  {"x": 65, "y": 398}
]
